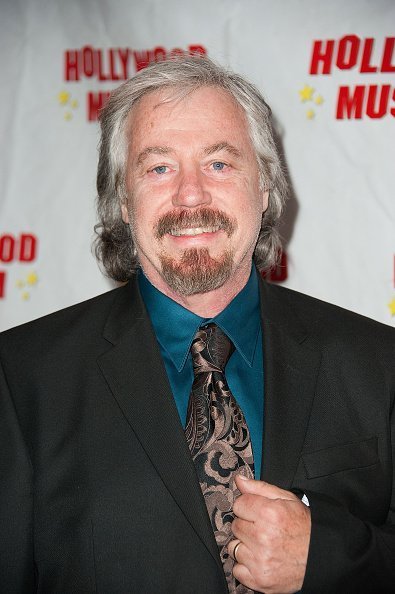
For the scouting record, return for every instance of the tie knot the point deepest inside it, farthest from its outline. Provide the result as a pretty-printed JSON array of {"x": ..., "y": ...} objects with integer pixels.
[{"x": 210, "y": 349}]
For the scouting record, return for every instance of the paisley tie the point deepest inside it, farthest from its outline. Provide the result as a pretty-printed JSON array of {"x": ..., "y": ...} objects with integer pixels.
[{"x": 218, "y": 438}]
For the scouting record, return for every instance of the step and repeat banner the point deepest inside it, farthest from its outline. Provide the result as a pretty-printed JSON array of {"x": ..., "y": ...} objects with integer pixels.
[{"x": 326, "y": 68}]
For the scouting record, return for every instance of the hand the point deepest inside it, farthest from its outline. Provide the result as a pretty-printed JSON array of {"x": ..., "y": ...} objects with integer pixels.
[{"x": 273, "y": 527}]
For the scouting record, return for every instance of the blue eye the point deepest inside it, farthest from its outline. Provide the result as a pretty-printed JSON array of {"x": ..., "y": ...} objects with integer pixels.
[
  {"x": 160, "y": 169},
  {"x": 218, "y": 166}
]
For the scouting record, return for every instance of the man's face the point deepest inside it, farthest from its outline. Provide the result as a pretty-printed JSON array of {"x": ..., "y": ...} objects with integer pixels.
[{"x": 195, "y": 206}]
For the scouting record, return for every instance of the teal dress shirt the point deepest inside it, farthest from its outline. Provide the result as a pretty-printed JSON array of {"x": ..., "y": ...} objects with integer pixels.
[{"x": 175, "y": 328}]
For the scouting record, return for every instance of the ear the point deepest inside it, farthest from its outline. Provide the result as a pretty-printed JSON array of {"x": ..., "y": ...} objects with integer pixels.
[
  {"x": 124, "y": 211},
  {"x": 265, "y": 200}
]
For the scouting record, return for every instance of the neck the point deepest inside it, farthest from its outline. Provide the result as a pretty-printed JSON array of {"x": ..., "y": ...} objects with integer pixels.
[{"x": 210, "y": 304}]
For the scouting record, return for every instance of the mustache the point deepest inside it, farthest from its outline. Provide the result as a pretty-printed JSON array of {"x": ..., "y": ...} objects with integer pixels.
[{"x": 177, "y": 220}]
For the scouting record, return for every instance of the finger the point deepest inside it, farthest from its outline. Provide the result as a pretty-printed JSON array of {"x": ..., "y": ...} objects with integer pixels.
[
  {"x": 253, "y": 535},
  {"x": 239, "y": 552},
  {"x": 244, "y": 531},
  {"x": 233, "y": 547},
  {"x": 243, "y": 575},
  {"x": 253, "y": 509},
  {"x": 249, "y": 507},
  {"x": 263, "y": 489}
]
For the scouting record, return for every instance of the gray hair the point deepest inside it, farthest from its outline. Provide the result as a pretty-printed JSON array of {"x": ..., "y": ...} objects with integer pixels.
[{"x": 114, "y": 246}]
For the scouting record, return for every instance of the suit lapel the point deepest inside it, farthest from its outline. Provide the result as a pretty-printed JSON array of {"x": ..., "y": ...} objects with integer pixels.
[
  {"x": 135, "y": 373},
  {"x": 290, "y": 370}
]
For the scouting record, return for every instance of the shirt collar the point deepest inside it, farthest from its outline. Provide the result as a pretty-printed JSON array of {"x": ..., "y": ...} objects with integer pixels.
[{"x": 175, "y": 326}]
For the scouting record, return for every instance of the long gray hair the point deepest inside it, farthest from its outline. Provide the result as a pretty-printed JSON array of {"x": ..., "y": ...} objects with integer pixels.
[{"x": 114, "y": 246}]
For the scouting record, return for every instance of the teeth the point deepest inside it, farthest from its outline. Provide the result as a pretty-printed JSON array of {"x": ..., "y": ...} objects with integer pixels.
[{"x": 193, "y": 231}]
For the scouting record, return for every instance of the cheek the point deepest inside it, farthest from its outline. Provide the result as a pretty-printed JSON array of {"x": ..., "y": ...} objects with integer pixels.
[
  {"x": 251, "y": 212},
  {"x": 249, "y": 221},
  {"x": 143, "y": 221}
]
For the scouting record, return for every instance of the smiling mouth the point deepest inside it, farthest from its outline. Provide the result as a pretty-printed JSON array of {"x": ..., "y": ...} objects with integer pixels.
[
  {"x": 191, "y": 231},
  {"x": 189, "y": 223}
]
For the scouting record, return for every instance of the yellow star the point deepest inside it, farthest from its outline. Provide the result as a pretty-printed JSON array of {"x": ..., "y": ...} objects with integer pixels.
[
  {"x": 68, "y": 116},
  {"x": 306, "y": 94},
  {"x": 32, "y": 278},
  {"x": 74, "y": 104},
  {"x": 19, "y": 284},
  {"x": 310, "y": 113},
  {"x": 25, "y": 295},
  {"x": 63, "y": 97},
  {"x": 391, "y": 306},
  {"x": 319, "y": 100}
]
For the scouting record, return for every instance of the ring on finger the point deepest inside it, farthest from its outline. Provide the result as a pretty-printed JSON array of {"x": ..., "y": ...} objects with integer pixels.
[{"x": 235, "y": 552}]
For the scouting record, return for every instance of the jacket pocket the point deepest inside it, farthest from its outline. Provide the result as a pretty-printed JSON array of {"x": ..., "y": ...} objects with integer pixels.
[{"x": 339, "y": 458}]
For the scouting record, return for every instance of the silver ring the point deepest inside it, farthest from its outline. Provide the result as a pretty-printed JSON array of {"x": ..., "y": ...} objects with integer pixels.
[{"x": 235, "y": 552}]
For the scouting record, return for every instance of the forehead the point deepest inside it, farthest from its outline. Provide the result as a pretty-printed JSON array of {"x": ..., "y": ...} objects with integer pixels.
[{"x": 207, "y": 111}]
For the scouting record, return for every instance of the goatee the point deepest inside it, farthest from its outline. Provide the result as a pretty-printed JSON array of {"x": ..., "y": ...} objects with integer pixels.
[{"x": 196, "y": 271}]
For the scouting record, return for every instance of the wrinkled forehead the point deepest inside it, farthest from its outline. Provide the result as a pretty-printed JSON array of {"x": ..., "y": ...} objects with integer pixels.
[{"x": 176, "y": 96}]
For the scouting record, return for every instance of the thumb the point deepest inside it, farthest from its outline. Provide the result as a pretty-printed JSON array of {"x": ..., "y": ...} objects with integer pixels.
[
  {"x": 247, "y": 485},
  {"x": 261, "y": 488}
]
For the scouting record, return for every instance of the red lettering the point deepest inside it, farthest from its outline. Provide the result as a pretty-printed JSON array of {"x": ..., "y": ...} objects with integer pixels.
[
  {"x": 347, "y": 54},
  {"x": 197, "y": 49},
  {"x": 23, "y": 248},
  {"x": 177, "y": 51},
  {"x": 159, "y": 54},
  {"x": 124, "y": 56},
  {"x": 366, "y": 56},
  {"x": 71, "y": 66},
  {"x": 98, "y": 65},
  {"x": 386, "y": 65},
  {"x": 7, "y": 247},
  {"x": 392, "y": 110},
  {"x": 349, "y": 104},
  {"x": 113, "y": 73},
  {"x": 96, "y": 102},
  {"x": 88, "y": 60},
  {"x": 113, "y": 63},
  {"x": 322, "y": 55},
  {"x": 2, "y": 284},
  {"x": 27, "y": 247},
  {"x": 372, "y": 111},
  {"x": 142, "y": 59}
]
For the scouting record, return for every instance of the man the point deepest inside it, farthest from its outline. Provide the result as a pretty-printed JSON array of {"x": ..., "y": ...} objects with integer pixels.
[{"x": 132, "y": 460}]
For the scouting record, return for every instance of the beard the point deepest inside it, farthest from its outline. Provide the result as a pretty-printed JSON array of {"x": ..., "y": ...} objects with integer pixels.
[{"x": 196, "y": 271}]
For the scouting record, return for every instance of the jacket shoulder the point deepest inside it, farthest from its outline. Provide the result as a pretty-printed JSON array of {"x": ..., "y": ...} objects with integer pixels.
[
  {"x": 63, "y": 317},
  {"x": 325, "y": 318},
  {"x": 75, "y": 329}
]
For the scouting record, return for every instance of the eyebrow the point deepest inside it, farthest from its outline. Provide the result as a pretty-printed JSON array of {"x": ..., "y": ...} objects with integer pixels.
[
  {"x": 152, "y": 150},
  {"x": 209, "y": 150},
  {"x": 222, "y": 146}
]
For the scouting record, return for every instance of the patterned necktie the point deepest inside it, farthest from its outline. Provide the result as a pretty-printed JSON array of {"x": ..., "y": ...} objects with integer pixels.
[{"x": 218, "y": 438}]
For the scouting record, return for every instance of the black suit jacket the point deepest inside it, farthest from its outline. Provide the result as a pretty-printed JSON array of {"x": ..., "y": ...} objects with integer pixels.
[{"x": 98, "y": 490}]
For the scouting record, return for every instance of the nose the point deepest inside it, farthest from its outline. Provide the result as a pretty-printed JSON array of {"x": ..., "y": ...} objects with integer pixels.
[{"x": 190, "y": 191}]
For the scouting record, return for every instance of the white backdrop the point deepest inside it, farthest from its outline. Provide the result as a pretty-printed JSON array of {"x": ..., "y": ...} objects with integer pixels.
[{"x": 326, "y": 68}]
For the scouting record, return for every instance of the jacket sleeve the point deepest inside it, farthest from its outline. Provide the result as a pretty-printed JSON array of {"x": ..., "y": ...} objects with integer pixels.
[
  {"x": 16, "y": 501},
  {"x": 348, "y": 555}
]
